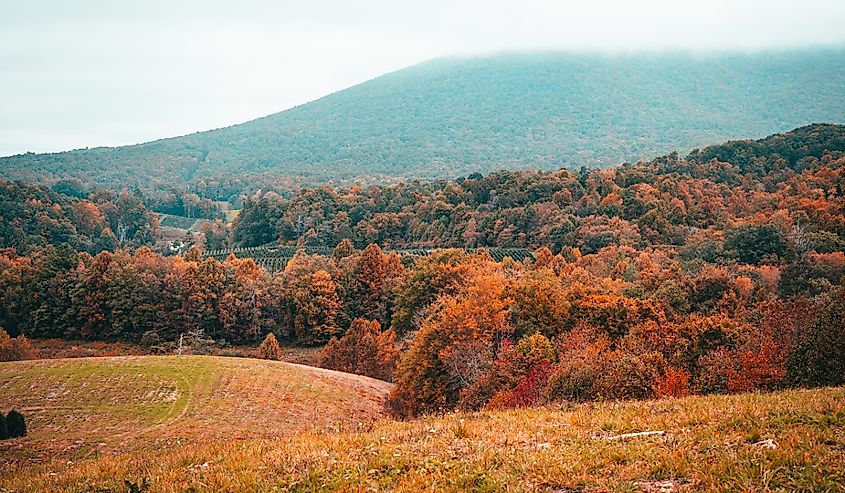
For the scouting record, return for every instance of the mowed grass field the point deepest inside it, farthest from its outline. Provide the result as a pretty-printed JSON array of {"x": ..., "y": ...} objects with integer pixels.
[
  {"x": 218, "y": 424},
  {"x": 88, "y": 408}
]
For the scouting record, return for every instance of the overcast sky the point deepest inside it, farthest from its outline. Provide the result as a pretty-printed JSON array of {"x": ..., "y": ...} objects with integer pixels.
[{"x": 87, "y": 73}]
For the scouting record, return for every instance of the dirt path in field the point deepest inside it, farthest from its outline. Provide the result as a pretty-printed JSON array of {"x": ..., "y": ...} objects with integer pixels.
[{"x": 132, "y": 435}]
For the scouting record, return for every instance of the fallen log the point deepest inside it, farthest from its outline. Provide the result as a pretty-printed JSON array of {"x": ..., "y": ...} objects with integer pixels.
[{"x": 625, "y": 436}]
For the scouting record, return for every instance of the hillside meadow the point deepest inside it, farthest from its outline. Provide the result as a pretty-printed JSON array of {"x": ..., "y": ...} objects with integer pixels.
[
  {"x": 217, "y": 424},
  {"x": 88, "y": 408}
]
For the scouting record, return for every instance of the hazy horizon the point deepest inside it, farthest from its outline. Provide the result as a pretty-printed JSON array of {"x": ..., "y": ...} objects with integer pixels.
[{"x": 100, "y": 73}]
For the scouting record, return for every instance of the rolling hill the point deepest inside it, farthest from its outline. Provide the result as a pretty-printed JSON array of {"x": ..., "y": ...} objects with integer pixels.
[
  {"x": 89, "y": 407},
  {"x": 452, "y": 117},
  {"x": 160, "y": 424}
]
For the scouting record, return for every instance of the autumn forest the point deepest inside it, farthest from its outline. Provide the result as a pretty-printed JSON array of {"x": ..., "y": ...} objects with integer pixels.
[{"x": 718, "y": 272}]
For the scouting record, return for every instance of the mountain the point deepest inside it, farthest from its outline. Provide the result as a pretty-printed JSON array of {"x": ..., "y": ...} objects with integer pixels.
[{"x": 452, "y": 117}]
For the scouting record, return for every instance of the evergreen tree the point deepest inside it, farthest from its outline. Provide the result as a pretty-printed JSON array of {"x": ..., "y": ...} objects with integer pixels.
[
  {"x": 4, "y": 430},
  {"x": 107, "y": 241},
  {"x": 818, "y": 357},
  {"x": 371, "y": 273},
  {"x": 269, "y": 348}
]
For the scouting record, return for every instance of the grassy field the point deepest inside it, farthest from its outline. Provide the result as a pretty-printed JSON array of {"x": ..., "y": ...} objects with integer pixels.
[
  {"x": 180, "y": 222},
  {"x": 297, "y": 429},
  {"x": 88, "y": 408}
]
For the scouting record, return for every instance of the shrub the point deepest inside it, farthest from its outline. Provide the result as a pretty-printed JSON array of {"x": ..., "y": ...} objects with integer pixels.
[
  {"x": 196, "y": 342},
  {"x": 581, "y": 353},
  {"x": 516, "y": 378},
  {"x": 625, "y": 375},
  {"x": 14, "y": 349},
  {"x": 4, "y": 430},
  {"x": 529, "y": 391},
  {"x": 573, "y": 380},
  {"x": 473, "y": 366},
  {"x": 269, "y": 348},
  {"x": 714, "y": 369},
  {"x": 675, "y": 382},
  {"x": 15, "y": 424},
  {"x": 151, "y": 339},
  {"x": 763, "y": 368},
  {"x": 487, "y": 374}
]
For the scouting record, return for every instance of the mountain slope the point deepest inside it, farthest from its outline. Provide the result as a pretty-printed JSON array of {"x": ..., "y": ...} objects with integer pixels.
[{"x": 451, "y": 117}]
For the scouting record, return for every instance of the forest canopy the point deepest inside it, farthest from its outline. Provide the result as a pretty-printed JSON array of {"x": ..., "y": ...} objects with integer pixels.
[
  {"x": 782, "y": 196},
  {"x": 32, "y": 216}
]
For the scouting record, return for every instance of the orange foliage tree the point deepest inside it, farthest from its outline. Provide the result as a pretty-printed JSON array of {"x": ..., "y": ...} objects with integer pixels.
[
  {"x": 460, "y": 336},
  {"x": 365, "y": 349}
]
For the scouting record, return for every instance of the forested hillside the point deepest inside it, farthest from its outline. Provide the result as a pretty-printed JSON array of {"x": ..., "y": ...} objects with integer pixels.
[
  {"x": 744, "y": 199},
  {"x": 664, "y": 278},
  {"x": 34, "y": 217},
  {"x": 452, "y": 117}
]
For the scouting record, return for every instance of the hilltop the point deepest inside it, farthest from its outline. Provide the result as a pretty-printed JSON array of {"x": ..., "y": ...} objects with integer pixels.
[{"x": 453, "y": 117}]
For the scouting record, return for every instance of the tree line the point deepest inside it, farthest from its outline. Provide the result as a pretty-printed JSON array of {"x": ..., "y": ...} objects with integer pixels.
[
  {"x": 461, "y": 330},
  {"x": 145, "y": 297}
]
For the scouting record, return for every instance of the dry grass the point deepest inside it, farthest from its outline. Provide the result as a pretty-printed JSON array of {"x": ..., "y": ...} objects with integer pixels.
[
  {"x": 88, "y": 408},
  {"x": 709, "y": 446}
]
